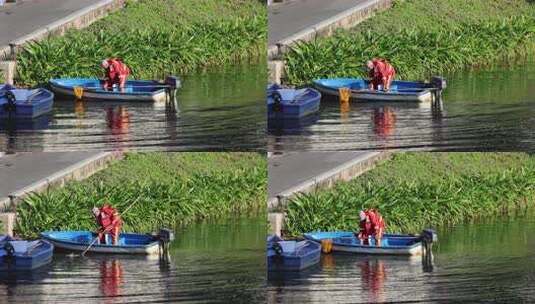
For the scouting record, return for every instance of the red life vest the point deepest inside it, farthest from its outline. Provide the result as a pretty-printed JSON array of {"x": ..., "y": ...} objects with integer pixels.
[
  {"x": 108, "y": 217},
  {"x": 116, "y": 69},
  {"x": 376, "y": 220},
  {"x": 382, "y": 69}
]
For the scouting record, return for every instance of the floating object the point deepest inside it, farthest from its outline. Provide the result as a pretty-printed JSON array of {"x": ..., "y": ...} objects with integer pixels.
[
  {"x": 391, "y": 244},
  {"x": 128, "y": 243},
  {"x": 17, "y": 255},
  {"x": 290, "y": 103},
  {"x": 291, "y": 255},
  {"x": 344, "y": 95},
  {"x": 326, "y": 245},
  {"x": 24, "y": 103},
  {"x": 135, "y": 90},
  {"x": 400, "y": 91}
]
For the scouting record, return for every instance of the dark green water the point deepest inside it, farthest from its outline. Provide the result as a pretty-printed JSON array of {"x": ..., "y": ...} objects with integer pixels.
[
  {"x": 218, "y": 110},
  {"x": 486, "y": 110},
  {"x": 210, "y": 262},
  {"x": 485, "y": 262}
]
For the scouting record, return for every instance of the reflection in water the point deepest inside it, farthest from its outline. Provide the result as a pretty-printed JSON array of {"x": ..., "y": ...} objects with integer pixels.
[
  {"x": 490, "y": 109},
  {"x": 223, "y": 110},
  {"x": 210, "y": 262},
  {"x": 486, "y": 262}
]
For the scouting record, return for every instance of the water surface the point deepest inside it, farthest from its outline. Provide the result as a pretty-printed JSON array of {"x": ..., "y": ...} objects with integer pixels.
[
  {"x": 218, "y": 110},
  {"x": 486, "y": 262},
  {"x": 211, "y": 262},
  {"x": 484, "y": 110}
]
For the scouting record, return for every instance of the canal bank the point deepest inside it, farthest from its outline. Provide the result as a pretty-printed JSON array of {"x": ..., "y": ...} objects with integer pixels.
[
  {"x": 25, "y": 173},
  {"x": 30, "y": 20},
  {"x": 417, "y": 190},
  {"x": 453, "y": 36},
  {"x": 297, "y": 173},
  {"x": 157, "y": 189},
  {"x": 291, "y": 22}
]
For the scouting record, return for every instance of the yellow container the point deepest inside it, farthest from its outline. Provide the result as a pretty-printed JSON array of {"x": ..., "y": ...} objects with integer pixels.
[
  {"x": 78, "y": 92},
  {"x": 327, "y": 246},
  {"x": 345, "y": 94}
]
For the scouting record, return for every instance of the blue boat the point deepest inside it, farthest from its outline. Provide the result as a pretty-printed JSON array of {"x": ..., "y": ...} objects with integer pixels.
[
  {"x": 24, "y": 103},
  {"x": 291, "y": 255},
  {"x": 129, "y": 243},
  {"x": 290, "y": 103},
  {"x": 16, "y": 255},
  {"x": 400, "y": 91},
  {"x": 391, "y": 244},
  {"x": 135, "y": 90}
]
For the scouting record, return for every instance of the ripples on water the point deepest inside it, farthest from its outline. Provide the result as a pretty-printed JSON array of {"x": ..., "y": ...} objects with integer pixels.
[
  {"x": 221, "y": 262},
  {"x": 492, "y": 262},
  {"x": 484, "y": 110},
  {"x": 223, "y": 110}
]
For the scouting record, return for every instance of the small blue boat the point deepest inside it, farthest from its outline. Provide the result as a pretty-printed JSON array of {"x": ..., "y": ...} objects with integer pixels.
[
  {"x": 291, "y": 255},
  {"x": 134, "y": 91},
  {"x": 23, "y": 103},
  {"x": 129, "y": 243},
  {"x": 18, "y": 255},
  {"x": 391, "y": 244},
  {"x": 290, "y": 103},
  {"x": 404, "y": 91}
]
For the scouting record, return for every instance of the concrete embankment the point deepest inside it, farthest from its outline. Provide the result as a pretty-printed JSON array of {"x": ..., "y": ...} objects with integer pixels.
[
  {"x": 26, "y": 173},
  {"x": 300, "y": 20},
  {"x": 31, "y": 20},
  {"x": 304, "y": 172}
]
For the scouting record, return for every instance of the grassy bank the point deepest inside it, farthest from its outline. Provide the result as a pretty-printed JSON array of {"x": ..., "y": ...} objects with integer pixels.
[
  {"x": 155, "y": 38},
  {"x": 415, "y": 190},
  {"x": 173, "y": 189},
  {"x": 421, "y": 39}
]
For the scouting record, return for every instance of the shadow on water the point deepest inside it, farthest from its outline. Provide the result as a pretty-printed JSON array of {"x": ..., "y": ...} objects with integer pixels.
[
  {"x": 485, "y": 110},
  {"x": 484, "y": 262},
  {"x": 222, "y": 261},
  {"x": 221, "y": 110}
]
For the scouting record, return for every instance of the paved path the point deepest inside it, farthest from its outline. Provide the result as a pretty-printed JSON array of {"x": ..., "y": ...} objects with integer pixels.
[
  {"x": 291, "y": 17},
  {"x": 292, "y": 169},
  {"x": 20, "y": 170},
  {"x": 24, "y": 17}
]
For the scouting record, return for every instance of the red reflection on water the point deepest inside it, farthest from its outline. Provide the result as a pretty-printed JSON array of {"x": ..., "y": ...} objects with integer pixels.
[
  {"x": 384, "y": 121},
  {"x": 111, "y": 278},
  {"x": 373, "y": 276}
]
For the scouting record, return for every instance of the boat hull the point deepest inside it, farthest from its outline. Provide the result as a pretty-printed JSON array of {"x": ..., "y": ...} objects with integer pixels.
[
  {"x": 41, "y": 255},
  {"x": 408, "y": 91},
  {"x": 65, "y": 87},
  {"x": 37, "y": 103},
  {"x": 306, "y": 254},
  {"x": 78, "y": 241},
  {"x": 391, "y": 244},
  {"x": 294, "y": 103}
]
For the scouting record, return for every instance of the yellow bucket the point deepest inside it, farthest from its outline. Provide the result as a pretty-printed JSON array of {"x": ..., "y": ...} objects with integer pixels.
[
  {"x": 327, "y": 246},
  {"x": 345, "y": 94},
  {"x": 78, "y": 92}
]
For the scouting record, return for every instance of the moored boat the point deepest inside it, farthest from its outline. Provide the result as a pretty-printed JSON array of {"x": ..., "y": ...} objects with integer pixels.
[
  {"x": 400, "y": 91},
  {"x": 24, "y": 103},
  {"x": 391, "y": 244},
  {"x": 20, "y": 255},
  {"x": 128, "y": 243},
  {"x": 291, "y": 255},
  {"x": 134, "y": 91},
  {"x": 291, "y": 103}
]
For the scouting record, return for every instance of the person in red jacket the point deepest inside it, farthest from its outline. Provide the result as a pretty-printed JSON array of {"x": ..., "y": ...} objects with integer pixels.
[
  {"x": 371, "y": 224},
  {"x": 381, "y": 72},
  {"x": 116, "y": 73},
  {"x": 109, "y": 221}
]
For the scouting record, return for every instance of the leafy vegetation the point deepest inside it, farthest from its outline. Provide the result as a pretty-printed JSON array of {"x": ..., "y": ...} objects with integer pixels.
[
  {"x": 414, "y": 190},
  {"x": 168, "y": 189},
  {"x": 424, "y": 40},
  {"x": 155, "y": 38}
]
